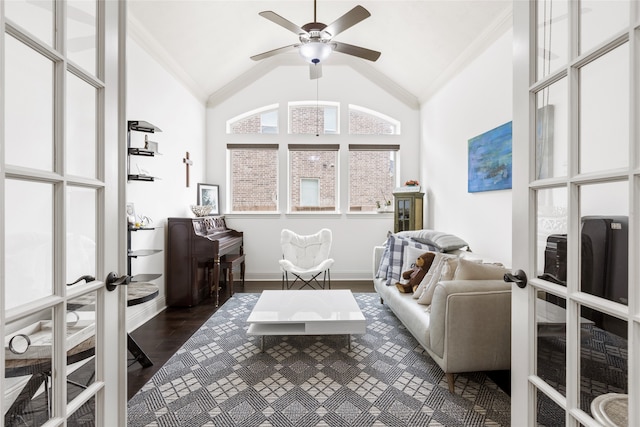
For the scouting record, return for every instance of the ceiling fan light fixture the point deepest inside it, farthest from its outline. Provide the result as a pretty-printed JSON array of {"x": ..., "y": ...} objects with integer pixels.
[{"x": 315, "y": 52}]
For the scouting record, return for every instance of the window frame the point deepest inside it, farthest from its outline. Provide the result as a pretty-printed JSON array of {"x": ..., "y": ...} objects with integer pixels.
[
  {"x": 290, "y": 177},
  {"x": 229, "y": 197},
  {"x": 314, "y": 104},
  {"x": 387, "y": 148},
  {"x": 264, "y": 109},
  {"x": 394, "y": 122}
]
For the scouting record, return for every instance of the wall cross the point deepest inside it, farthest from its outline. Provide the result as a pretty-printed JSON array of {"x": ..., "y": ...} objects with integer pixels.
[{"x": 187, "y": 162}]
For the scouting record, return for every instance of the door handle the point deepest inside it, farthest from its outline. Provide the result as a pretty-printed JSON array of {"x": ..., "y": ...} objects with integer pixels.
[
  {"x": 520, "y": 278},
  {"x": 87, "y": 278},
  {"x": 114, "y": 281}
]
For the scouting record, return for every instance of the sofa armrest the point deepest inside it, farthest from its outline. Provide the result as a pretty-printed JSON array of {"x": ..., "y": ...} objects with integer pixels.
[
  {"x": 471, "y": 325},
  {"x": 377, "y": 257}
]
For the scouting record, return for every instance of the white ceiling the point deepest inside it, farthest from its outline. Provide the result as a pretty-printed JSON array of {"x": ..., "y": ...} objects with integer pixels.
[{"x": 207, "y": 43}]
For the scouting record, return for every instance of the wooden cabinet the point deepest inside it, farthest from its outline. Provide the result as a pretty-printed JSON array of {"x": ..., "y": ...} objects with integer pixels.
[{"x": 407, "y": 212}]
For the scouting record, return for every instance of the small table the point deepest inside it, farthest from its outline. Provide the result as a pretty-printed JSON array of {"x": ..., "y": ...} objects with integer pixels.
[
  {"x": 611, "y": 409},
  {"x": 306, "y": 312},
  {"x": 138, "y": 293}
]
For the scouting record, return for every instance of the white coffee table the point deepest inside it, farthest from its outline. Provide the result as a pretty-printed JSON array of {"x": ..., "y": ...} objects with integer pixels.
[{"x": 306, "y": 312}]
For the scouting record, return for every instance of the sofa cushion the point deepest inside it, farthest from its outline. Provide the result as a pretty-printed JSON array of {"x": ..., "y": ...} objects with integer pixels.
[
  {"x": 410, "y": 255},
  {"x": 443, "y": 242},
  {"x": 395, "y": 257},
  {"x": 383, "y": 268},
  {"x": 469, "y": 270},
  {"x": 433, "y": 277},
  {"x": 424, "y": 281}
]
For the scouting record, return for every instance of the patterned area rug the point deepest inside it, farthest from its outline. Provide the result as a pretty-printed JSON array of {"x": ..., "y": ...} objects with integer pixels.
[{"x": 221, "y": 378}]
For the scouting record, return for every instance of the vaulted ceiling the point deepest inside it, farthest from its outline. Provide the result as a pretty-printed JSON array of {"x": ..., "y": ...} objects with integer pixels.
[{"x": 207, "y": 43}]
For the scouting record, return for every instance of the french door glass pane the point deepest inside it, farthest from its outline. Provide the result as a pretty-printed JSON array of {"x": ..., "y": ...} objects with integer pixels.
[
  {"x": 551, "y": 340},
  {"x": 81, "y": 127},
  {"x": 85, "y": 415},
  {"x": 81, "y": 330},
  {"x": 28, "y": 241},
  {"x": 548, "y": 413},
  {"x": 605, "y": 240},
  {"x": 601, "y": 19},
  {"x": 35, "y": 16},
  {"x": 552, "y": 130},
  {"x": 81, "y": 232},
  {"x": 81, "y": 33},
  {"x": 553, "y": 23},
  {"x": 552, "y": 232},
  {"x": 28, "y": 370},
  {"x": 604, "y": 130},
  {"x": 29, "y": 107},
  {"x": 603, "y": 357}
]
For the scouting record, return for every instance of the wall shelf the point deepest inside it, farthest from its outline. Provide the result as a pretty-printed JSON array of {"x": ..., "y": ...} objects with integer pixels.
[{"x": 150, "y": 148}]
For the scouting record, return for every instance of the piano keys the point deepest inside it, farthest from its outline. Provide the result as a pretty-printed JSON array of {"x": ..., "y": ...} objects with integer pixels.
[{"x": 194, "y": 248}]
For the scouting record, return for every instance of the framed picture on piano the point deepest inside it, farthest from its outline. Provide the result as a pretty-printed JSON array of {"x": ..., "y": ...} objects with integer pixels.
[{"x": 208, "y": 195}]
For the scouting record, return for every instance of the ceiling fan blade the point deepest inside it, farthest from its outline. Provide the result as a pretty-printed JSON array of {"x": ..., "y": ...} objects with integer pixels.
[
  {"x": 315, "y": 71},
  {"x": 361, "y": 52},
  {"x": 274, "y": 17},
  {"x": 273, "y": 52},
  {"x": 347, "y": 20}
]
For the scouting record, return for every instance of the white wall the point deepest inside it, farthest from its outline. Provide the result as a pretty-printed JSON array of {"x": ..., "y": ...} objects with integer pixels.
[
  {"x": 155, "y": 96},
  {"x": 354, "y": 235},
  {"x": 475, "y": 101}
]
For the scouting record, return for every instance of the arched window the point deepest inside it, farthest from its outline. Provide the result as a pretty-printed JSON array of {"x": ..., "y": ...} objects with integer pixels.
[
  {"x": 314, "y": 117},
  {"x": 260, "y": 120},
  {"x": 363, "y": 121}
]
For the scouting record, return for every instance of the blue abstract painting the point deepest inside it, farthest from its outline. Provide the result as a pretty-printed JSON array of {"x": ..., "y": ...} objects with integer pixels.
[{"x": 490, "y": 160}]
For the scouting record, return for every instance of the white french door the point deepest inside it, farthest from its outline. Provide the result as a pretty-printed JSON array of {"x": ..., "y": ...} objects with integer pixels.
[
  {"x": 61, "y": 169},
  {"x": 576, "y": 198}
]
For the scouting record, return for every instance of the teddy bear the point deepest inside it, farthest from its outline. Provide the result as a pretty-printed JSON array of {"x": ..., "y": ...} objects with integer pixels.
[{"x": 416, "y": 274}]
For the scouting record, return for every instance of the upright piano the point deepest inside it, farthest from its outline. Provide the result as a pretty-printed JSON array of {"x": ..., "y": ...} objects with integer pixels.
[{"x": 194, "y": 248}]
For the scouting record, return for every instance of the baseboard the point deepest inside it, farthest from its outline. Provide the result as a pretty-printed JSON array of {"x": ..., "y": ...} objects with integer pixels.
[
  {"x": 354, "y": 285},
  {"x": 146, "y": 312}
]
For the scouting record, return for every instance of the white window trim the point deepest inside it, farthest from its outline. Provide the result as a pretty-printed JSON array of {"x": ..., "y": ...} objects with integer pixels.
[
  {"x": 314, "y": 103},
  {"x": 394, "y": 122},
  {"x": 244, "y": 115}
]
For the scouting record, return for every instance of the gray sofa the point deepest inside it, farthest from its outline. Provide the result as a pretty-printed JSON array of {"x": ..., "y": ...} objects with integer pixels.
[{"x": 467, "y": 327}]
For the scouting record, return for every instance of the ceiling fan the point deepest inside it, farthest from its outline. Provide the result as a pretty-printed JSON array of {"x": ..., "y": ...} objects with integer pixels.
[{"x": 316, "y": 39}]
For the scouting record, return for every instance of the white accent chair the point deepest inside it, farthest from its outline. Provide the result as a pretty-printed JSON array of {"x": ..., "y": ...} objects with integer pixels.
[{"x": 306, "y": 257}]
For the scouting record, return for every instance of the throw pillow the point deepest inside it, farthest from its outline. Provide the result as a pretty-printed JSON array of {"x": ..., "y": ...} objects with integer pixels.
[
  {"x": 444, "y": 242},
  {"x": 469, "y": 270},
  {"x": 449, "y": 268},
  {"x": 396, "y": 256},
  {"x": 433, "y": 277},
  {"x": 424, "y": 281},
  {"x": 410, "y": 254},
  {"x": 383, "y": 268}
]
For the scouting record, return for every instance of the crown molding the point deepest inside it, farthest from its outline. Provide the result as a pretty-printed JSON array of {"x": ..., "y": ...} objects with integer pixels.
[{"x": 498, "y": 27}]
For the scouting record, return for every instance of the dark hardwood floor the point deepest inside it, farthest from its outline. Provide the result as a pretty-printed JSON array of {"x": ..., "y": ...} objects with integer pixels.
[{"x": 164, "y": 334}]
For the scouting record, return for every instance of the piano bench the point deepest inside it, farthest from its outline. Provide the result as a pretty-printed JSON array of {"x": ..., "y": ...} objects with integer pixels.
[{"x": 227, "y": 263}]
